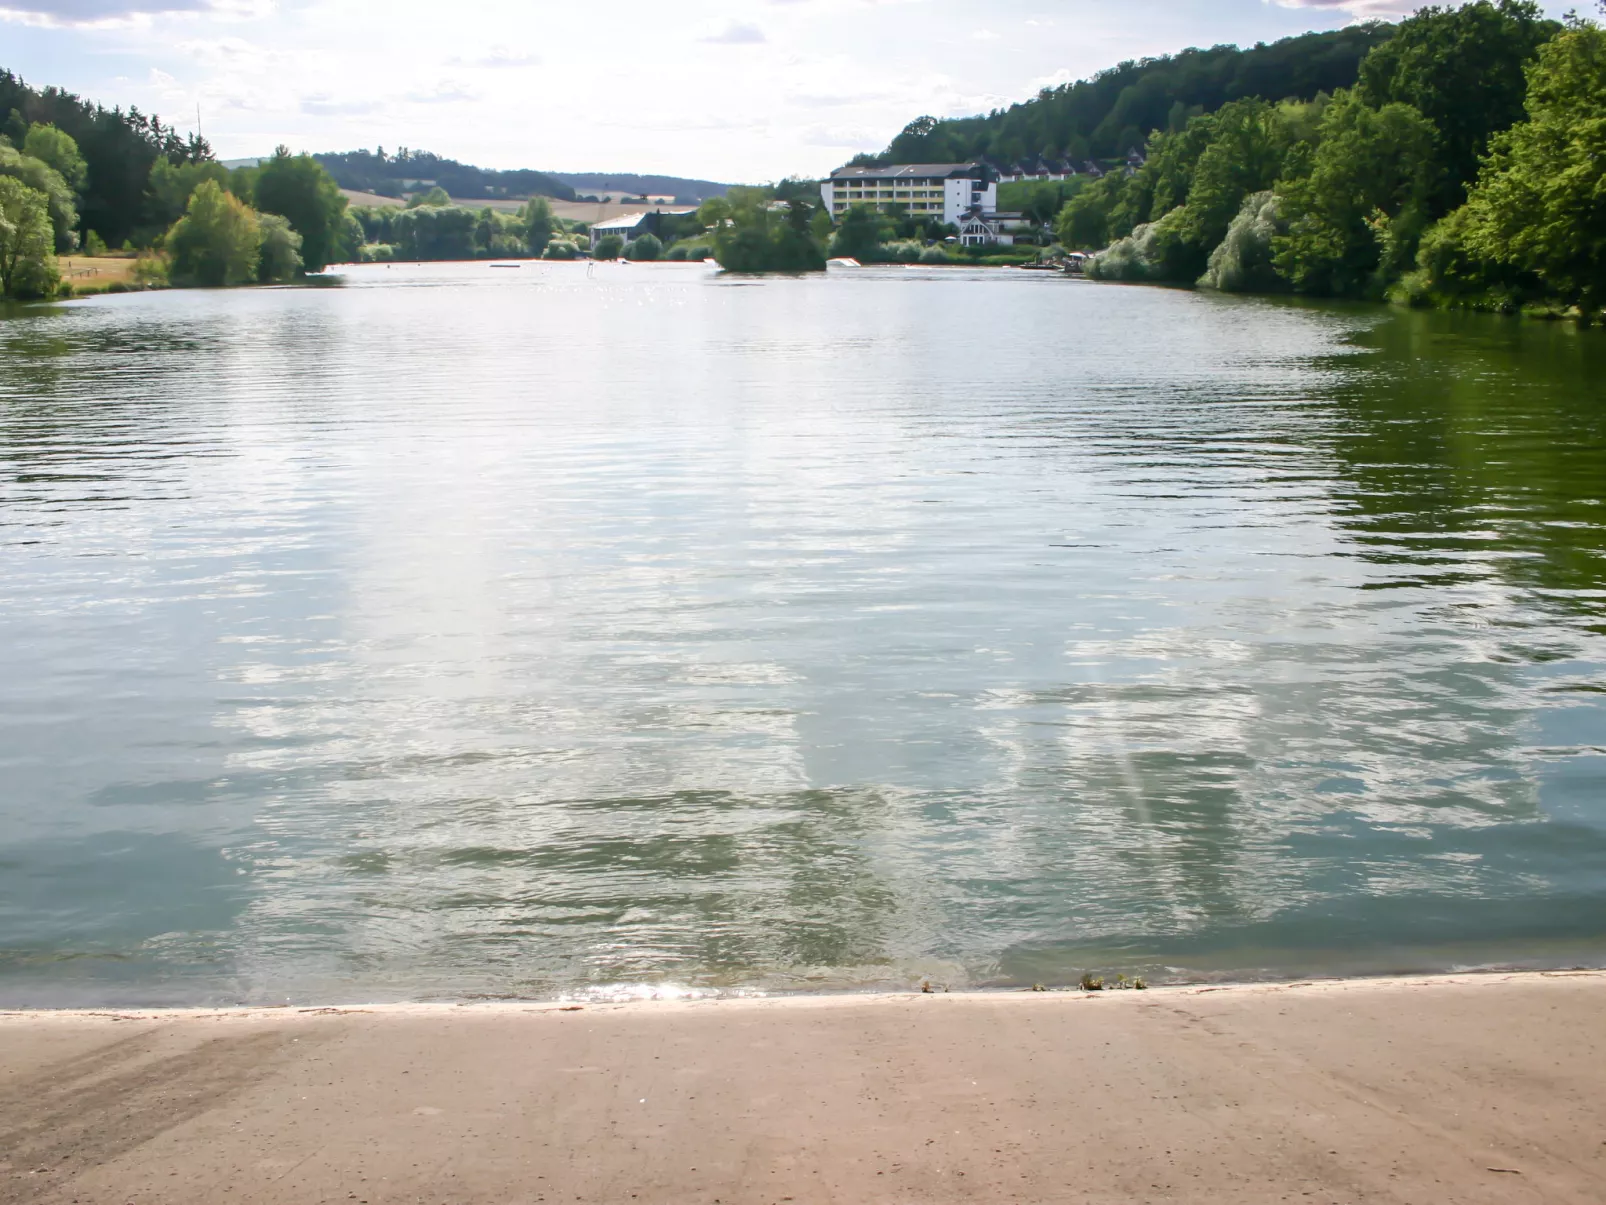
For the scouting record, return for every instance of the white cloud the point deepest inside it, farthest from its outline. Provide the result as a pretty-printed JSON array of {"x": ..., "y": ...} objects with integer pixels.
[
  {"x": 1361, "y": 9},
  {"x": 446, "y": 92},
  {"x": 321, "y": 104},
  {"x": 738, "y": 34},
  {"x": 111, "y": 14},
  {"x": 498, "y": 57}
]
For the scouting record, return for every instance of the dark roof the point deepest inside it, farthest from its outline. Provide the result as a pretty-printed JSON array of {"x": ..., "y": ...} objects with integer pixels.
[{"x": 922, "y": 171}]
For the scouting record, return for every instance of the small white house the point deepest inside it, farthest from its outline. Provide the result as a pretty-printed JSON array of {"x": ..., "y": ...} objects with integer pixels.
[{"x": 980, "y": 229}]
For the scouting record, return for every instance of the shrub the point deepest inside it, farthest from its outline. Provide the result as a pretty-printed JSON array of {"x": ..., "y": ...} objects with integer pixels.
[
  {"x": 645, "y": 249},
  {"x": 608, "y": 247},
  {"x": 280, "y": 256},
  {"x": 1243, "y": 262},
  {"x": 150, "y": 271},
  {"x": 935, "y": 254},
  {"x": 1451, "y": 271},
  {"x": 377, "y": 253},
  {"x": 1155, "y": 251},
  {"x": 560, "y": 248}
]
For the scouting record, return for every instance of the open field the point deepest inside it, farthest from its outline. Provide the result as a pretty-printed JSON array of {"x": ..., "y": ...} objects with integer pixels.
[
  {"x": 1472, "y": 1089},
  {"x": 379, "y": 202},
  {"x": 89, "y": 274}
]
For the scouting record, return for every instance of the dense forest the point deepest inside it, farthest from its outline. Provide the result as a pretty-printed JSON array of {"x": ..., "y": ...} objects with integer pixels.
[
  {"x": 119, "y": 148},
  {"x": 1465, "y": 167},
  {"x": 1106, "y": 116},
  {"x": 403, "y": 172}
]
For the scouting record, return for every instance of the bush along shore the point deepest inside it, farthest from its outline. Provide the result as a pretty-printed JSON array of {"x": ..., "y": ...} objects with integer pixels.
[{"x": 1466, "y": 168}]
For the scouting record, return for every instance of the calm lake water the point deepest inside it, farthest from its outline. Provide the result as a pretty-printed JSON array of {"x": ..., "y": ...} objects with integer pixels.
[{"x": 558, "y": 631}]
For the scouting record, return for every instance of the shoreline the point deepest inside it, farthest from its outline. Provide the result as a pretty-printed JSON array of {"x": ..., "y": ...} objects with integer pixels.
[
  {"x": 698, "y": 998},
  {"x": 1466, "y": 1088}
]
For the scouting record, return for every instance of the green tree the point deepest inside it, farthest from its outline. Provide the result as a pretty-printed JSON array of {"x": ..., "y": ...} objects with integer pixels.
[
  {"x": 172, "y": 183},
  {"x": 1464, "y": 69},
  {"x": 435, "y": 233},
  {"x": 1245, "y": 156},
  {"x": 859, "y": 234},
  {"x": 298, "y": 188},
  {"x": 608, "y": 247},
  {"x": 645, "y": 249},
  {"x": 1242, "y": 262},
  {"x": 27, "y": 242},
  {"x": 1085, "y": 221},
  {"x": 1155, "y": 251},
  {"x": 539, "y": 225},
  {"x": 923, "y": 140},
  {"x": 280, "y": 257},
  {"x": 434, "y": 198},
  {"x": 42, "y": 178},
  {"x": 1358, "y": 214},
  {"x": 1540, "y": 204},
  {"x": 59, "y": 150},
  {"x": 762, "y": 235},
  {"x": 217, "y": 242}
]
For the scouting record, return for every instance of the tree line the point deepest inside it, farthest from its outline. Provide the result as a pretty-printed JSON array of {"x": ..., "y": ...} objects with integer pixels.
[
  {"x": 1113, "y": 112},
  {"x": 398, "y": 174},
  {"x": 1466, "y": 166},
  {"x": 203, "y": 224}
]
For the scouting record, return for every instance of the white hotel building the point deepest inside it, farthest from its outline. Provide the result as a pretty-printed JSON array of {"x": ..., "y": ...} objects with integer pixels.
[{"x": 946, "y": 191}]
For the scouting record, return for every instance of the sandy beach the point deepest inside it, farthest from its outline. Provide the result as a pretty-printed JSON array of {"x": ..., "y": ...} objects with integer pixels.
[{"x": 1449, "y": 1089}]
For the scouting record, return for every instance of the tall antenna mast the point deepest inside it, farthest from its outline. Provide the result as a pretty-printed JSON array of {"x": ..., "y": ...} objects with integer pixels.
[{"x": 197, "y": 119}]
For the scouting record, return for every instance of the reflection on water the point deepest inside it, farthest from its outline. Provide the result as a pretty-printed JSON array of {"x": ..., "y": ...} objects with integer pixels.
[{"x": 464, "y": 632}]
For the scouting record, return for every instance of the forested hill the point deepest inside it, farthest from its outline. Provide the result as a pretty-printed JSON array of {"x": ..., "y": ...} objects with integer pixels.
[
  {"x": 119, "y": 146},
  {"x": 392, "y": 175},
  {"x": 666, "y": 186},
  {"x": 1108, "y": 115}
]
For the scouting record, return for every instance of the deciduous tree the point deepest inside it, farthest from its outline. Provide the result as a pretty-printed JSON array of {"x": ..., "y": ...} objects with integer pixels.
[
  {"x": 27, "y": 262},
  {"x": 298, "y": 188},
  {"x": 217, "y": 242}
]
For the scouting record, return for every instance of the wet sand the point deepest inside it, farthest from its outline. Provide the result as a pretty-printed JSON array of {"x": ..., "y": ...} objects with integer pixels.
[{"x": 1451, "y": 1089}]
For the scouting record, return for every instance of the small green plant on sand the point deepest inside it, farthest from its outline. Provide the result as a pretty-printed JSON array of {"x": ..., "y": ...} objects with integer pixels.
[{"x": 1092, "y": 983}]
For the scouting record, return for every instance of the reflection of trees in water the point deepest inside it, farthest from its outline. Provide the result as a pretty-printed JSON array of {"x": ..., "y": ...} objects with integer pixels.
[
  {"x": 1363, "y": 731},
  {"x": 1474, "y": 449},
  {"x": 99, "y": 407}
]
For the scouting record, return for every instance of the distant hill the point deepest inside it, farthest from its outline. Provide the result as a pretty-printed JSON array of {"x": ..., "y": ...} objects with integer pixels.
[
  {"x": 407, "y": 170},
  {"x": 650, "y": 186},
  {"x": 1106, "y": 116}
]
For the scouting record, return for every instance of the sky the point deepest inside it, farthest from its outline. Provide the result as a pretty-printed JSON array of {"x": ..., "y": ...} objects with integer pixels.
[{"x": 730, "y": 90}]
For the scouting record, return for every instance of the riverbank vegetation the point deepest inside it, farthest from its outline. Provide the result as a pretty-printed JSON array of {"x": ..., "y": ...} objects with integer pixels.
[
  {"x": 433, "y": 227},
  {"x": 1465, "y": 167},
  {"x": 78, "y": 178}
]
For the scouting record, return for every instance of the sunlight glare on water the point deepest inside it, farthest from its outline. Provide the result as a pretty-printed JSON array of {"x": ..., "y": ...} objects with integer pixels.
[{"x": 554, "y": 631}]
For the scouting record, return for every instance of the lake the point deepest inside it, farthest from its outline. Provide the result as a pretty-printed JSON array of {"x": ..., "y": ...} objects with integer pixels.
[{"x": 603, "y": 631}]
